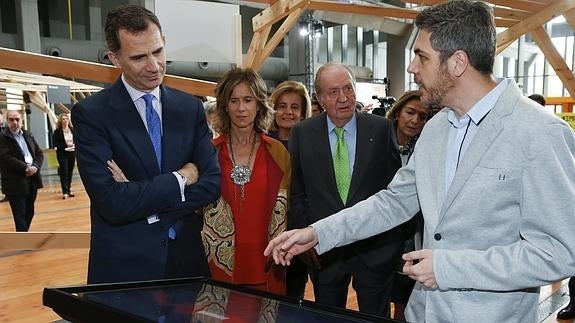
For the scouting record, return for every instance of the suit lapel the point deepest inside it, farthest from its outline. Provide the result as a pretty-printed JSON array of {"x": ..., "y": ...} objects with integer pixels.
[
  {"x": 488, "y": 131},
  {"x": 172, "y": 114},
  {"x": 321, "y": 153},
  {"x": 438, "y": 166},
  {"x": 363, "y": 147},
  {"x": 130, "y": 125}
]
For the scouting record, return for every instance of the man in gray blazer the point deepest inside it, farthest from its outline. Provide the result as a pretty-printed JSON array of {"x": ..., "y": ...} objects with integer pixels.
[{"x": 493, "y": 174}]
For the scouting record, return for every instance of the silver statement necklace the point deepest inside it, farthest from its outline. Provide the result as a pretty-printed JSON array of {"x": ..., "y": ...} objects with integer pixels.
[{"x": 241, "y": 174}]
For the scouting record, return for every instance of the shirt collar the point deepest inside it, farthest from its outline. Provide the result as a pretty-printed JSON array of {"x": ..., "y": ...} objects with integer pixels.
[
  {"x": 16, "y": 133},
  {"x": 137, "y": 94},
  {"x": 348, "y": 127},
  {"x": 482, "y": 107}
]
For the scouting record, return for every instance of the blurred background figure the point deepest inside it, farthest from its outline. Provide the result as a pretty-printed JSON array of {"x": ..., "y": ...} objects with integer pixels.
[
  {"x": 291, "y": 102},
  {"x": 20, "y": 162},
  {"x": 2, "y": 126},
  {"x": 538, "y": 98},
  {"x": 385, "y": 104},
  {"x": 63, "y": 138},
  {"x": 568, "y": 312},
  {"x": 433, "y": 109},
  {"x": 316, "y": 108},
  {"x": 409, "y": 116},
  {"x": 255, "y": 179},
  {"x": 209, "y": 110}
]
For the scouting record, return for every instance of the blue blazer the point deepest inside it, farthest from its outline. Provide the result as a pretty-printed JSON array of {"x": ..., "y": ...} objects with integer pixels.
[{"x": 124, "y": 246}]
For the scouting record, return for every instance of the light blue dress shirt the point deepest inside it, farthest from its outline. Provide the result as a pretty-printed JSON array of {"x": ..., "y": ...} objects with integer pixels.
[
  {"x": 464, "y": 129},
  {"x": 19, "y": 137}
]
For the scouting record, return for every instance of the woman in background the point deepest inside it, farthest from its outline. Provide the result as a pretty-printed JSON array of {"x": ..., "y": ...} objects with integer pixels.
[
  {"x": 291, "y": 103},
  {"x": 255, "y": 179},
  {"x": 409, "y": 116},
  {"x": 63, "y": 138}
]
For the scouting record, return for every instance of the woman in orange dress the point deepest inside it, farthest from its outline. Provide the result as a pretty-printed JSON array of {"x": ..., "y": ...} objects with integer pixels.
[{"x": 255, "y": 178}]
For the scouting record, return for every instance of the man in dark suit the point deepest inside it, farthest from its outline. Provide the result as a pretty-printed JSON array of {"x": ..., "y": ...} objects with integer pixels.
[
  {"x": 2, "y": 127},
  {"x": 20, "y": 161},
  {"x": 143, "y": 221},
  {"x": 371, "y": 163}
]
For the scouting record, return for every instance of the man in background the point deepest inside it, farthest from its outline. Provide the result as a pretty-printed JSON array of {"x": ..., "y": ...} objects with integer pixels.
[
  {"x": 146, "y": 159},
  {"x": 338, "y": 159},
  {"x": 538, "y": 98},
  {"x": 2, "y": 126},
  {"x": 20, "y": 162}
]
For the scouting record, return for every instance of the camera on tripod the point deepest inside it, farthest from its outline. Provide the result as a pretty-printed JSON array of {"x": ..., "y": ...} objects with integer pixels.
[{"x": 385, "y": 104}]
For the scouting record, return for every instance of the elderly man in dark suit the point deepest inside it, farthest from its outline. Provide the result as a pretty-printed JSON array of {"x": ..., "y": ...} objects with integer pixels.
[
  {"x": 318, "y": 190},
  {"x": 143, "y": 221},
  {"x": 20, "y": 161}
]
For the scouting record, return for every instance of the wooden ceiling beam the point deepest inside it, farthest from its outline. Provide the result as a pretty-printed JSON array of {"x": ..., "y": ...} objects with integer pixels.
[
  {"x": 529, "y": 6},
  {"x": 512, "y": 14},
  {"x": 277, "y": 11},
  {"x": 508, "y": 36},
  {"x": 288, "y": 23},
  {"x": 544, "y": 42},
  {"x": 258, "y": 43},
  {"x": 260, "y": 48},
  {"x": 569, "y": 16},
  {"x": 380, "y": 11},
  {"x": 76, "y": 69}
]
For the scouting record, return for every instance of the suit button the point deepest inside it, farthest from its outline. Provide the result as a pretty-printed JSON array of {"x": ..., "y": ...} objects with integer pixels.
[
  {"x": 165, "y": 242},
  {"x": 437, "y": 237}
]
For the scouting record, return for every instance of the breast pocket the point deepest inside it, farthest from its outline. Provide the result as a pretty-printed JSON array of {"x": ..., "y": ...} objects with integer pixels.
[{"x": 494, "y": 189}]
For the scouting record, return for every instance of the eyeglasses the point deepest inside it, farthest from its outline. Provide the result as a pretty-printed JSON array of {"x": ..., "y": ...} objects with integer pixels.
[{"x": 334, "y": 93}]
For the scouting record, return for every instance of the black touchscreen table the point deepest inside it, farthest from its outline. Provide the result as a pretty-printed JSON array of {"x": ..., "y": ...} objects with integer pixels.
[{"x": 187, "y": 300}]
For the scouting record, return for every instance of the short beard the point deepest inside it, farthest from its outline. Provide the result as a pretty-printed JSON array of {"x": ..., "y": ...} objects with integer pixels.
[{"x": 435, "y": 94}]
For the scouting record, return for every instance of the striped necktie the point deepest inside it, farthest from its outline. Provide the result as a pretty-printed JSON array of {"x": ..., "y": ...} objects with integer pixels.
[{"x": 154, "y": 127}]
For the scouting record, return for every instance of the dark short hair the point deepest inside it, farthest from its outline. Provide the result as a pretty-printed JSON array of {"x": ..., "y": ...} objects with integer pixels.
[
  {"x": 538, "y": 98},
  {"x": 461, "y": 25},
  {"x": 132, "y": 18}
]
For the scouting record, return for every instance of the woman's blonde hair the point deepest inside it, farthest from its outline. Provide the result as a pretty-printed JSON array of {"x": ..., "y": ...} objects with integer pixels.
[
  {"x": 59, "y": 121},
  {"x": 224, "y": 90}
]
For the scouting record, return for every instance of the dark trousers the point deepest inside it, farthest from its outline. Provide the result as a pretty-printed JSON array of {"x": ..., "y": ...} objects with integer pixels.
[
  {"x": 66, "y": 161},
  {"x": 373, "y": 289},
  {"x": 572, "y": 287},
  {"x": 296, "y": 278},
  {"x": 23, "y": 209}
]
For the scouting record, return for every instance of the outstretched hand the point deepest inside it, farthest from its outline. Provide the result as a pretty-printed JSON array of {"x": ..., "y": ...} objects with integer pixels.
[{"x": 291, "y": 243}]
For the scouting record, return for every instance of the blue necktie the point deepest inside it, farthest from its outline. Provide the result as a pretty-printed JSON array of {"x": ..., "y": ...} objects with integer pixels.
[{"x": 154, "y": 127}]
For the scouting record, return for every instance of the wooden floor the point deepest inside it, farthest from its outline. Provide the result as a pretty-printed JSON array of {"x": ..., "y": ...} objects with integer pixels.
[{"x": 24, "y": 274}]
